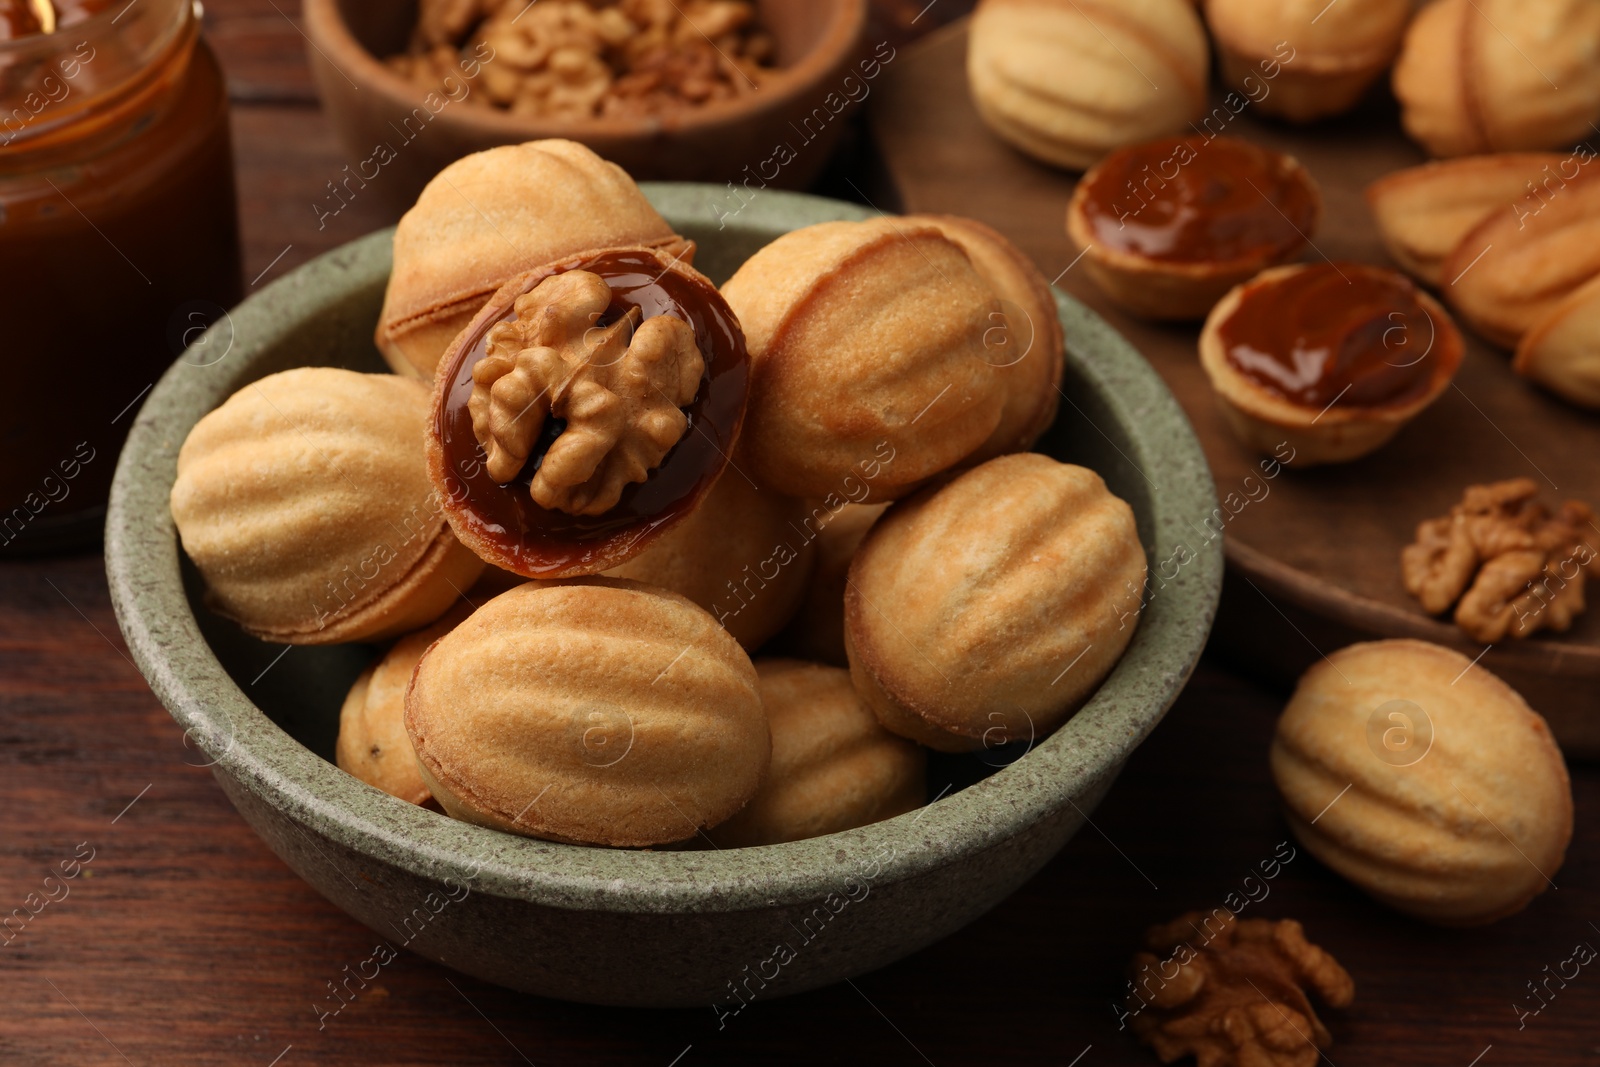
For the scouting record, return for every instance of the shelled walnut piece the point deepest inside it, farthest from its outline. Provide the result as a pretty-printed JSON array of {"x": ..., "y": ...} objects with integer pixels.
[
  {"x": 579, "y": 59},
  {"x": 618, "y": 389},
  {"x": 1508, "y": 565},
  {"x": 1239, "y": 999}
]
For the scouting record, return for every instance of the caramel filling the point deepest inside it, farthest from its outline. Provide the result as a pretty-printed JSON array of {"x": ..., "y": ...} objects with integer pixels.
[
  {"x": 1333, "y": 334},
  {"x": 1190, "y": 200}
]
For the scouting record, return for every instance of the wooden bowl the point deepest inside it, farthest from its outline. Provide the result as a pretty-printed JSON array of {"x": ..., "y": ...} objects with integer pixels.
[{"x": 819, "y": 44}]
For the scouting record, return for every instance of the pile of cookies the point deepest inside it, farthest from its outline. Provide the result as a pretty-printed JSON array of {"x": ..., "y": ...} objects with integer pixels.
[
  {"x": 1325, "y": 362},
  {"x": 1182, "y": 227},
  {"x": 598, "y": 484}
]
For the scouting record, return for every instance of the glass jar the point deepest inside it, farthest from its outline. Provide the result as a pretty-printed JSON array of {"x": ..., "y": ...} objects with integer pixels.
[{"x": 119, "y": 242}]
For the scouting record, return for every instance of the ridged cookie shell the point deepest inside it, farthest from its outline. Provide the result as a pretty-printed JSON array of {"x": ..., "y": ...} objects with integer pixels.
[
  {"x": 1067, "y": 81},
  {"x": 1469, "y": 832},
  {"x": 494, "y": 214},
  {"x": 866, "y": 341},
  {"x": 304, "y": 501},
  {"x": 1466, "y": 84},
  {"x": 833, "y": 766},
  {"x": 986, "y": 611},
  {"x": 591, "y": 711},
  {"x": 743, "y": 554}
]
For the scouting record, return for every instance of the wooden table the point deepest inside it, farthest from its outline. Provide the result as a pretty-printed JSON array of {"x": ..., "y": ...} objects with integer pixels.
[{"x": 185, "y": 941}]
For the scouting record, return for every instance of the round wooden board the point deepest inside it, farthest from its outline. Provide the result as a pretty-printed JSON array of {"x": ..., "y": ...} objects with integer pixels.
[{"x": 1321, "y": 544}]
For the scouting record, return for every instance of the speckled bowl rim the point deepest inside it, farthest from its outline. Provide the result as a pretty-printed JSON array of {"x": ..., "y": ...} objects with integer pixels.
[{"x": 219, "y": 719}]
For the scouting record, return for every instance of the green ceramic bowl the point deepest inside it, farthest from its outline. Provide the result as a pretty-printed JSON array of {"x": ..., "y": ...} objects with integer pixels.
[{"x": 622, "y": 927}]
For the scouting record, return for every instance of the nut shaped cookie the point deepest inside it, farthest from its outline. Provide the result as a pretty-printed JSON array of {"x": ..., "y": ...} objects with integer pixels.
[
  {"x": 1479, "y": 76},
  {"x": 833, "y": 766},
  {"x": 492, "y": 215},
  {"x": 1425, "y": 780},
  {"x": 1512, "y": 270},
  {"x": 986, "y": 611},
  {"x": 817, "y": 631},
  {"x": 1562, "y": 350},
  {"x": 1325, "y": 56},
  {"x": 592, "y": 711},
  {"x": 1024, "y": 340},
  {"x": 589, "y": 406},
  {"x": 1424, "y": 212},
  {"x": 372, "y": 743},
  {"x": 304, "y": 501},
  {"x": 868, "y": 357},
  {"x": 1067, "y": 81},
  {"x": 740, "y": 554}
]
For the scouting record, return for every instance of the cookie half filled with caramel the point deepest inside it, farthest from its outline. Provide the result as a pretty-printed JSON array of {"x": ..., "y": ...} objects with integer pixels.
[
  {"x": 586, "y": 409},
  {"x": 1330, "y": 359},
  {"x": 1166, "y": 228}
]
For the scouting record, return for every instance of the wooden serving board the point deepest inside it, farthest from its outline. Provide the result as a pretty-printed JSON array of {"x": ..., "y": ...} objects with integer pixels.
[{"x": 1314, "y": 555}]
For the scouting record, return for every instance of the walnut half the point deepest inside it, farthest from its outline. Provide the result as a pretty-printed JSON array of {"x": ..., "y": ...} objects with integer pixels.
[
  {"x": 1232, "y": 993},
  {"x": 618, "y": 390},
  {"x": 1509, "y": 566}
]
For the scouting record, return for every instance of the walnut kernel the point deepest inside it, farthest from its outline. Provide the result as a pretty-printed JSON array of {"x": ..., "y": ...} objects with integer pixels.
[
  {"x": 1237, "y": 996},
  {"x": 619, "y": 389},
  {"x": 1508, "y": 566}
]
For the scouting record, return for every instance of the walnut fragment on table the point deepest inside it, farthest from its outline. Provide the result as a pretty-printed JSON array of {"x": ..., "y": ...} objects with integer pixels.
[
  {"x": 1232, "y": 993},
  {"x": 1507, "y": 565},
  {"x": 579, "y": 59}
]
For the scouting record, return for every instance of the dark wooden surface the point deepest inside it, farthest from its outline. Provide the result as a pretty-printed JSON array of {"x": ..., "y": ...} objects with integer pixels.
[
  {"x": 1328, "y": 539},
  {"x": 185, "y": 941}
]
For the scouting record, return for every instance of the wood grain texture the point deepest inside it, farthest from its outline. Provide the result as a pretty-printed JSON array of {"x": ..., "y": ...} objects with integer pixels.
[
  {"x": 1325, "y": 541},
  {"x": 185, "y": 941}
]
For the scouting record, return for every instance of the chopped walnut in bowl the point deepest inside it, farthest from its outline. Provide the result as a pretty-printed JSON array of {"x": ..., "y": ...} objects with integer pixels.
[
  {"x": 1507, "y": 564},
  {"x": 1232, "y": 993},
  {"x": 582, "y": 59}
]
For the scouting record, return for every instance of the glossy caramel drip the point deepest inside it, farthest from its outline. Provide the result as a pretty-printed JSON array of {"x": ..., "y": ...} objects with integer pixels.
[
  {"x": 1333, "y": 334},
  {"x": 1193, "y": 200},
  {"x": 534, "y": 540}
]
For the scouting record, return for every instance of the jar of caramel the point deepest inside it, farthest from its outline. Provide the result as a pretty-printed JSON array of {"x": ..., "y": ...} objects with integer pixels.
[{"x": 119, "y": 240}]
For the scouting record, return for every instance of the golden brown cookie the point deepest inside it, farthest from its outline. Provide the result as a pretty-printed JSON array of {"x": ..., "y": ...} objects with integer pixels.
[
  {"x": 1477, "y": 76},
  {"x": 1424, "y": 212},
  {"x": 492, "y": 215},
  {"x": 986, "y": 611},
  {"x": 833, "y": 766},
  {"x": 592, "y": 711},
  {"x": 1324, "y": 56},
  {"x": 817, "y": 631},
  {"x": 1024, "y": 339},
  {"x": 1067, "y": 81},
  {"x": 1562, "y": 350},
  {"x": 1512, "y": 270},
  {"x": 868, "y": 357},
  {"x": 742, "y": 555},
  {"x": 304, "y": 502},
  {"x": 372, "y": 743},
  {"x": 1425, "y": 780},
  {"x": 588, "y": 407}
]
